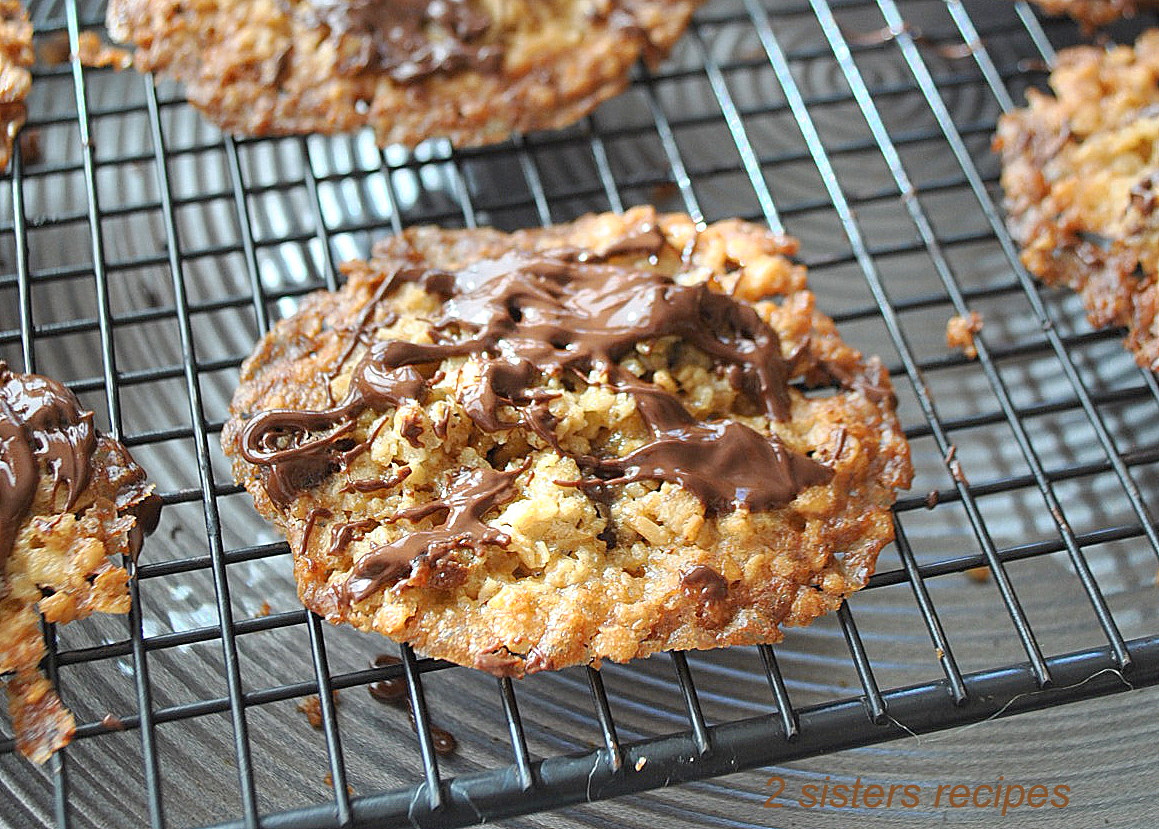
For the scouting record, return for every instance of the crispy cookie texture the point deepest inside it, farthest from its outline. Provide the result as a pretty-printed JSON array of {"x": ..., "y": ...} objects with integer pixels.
[
  {"x": 1080, "y": 169},
  {"x": 472, "y": 71},
  {"x": 16, "y": 57},
  {"x": 72, "y": 502},
  {"x": 526, "y": 516},
  {"x": 1095, "y": 13}
]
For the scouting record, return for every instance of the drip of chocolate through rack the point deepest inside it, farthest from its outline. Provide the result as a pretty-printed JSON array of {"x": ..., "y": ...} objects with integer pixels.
[{"x": 524, "y": 315}]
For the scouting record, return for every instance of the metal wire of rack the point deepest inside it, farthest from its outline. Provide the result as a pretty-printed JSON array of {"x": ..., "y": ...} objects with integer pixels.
[{"x": 747, "y": 69}]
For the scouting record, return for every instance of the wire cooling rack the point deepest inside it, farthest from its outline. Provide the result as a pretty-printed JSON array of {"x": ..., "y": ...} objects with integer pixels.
[{"x": 142, "y": 253}]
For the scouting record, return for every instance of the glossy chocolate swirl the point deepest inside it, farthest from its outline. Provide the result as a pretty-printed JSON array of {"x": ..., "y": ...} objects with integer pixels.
[
  {"x": 408, "y": 39},
  {"x": 43, "y": 429},
  {"x": 41, "y": 422},
  {"x": 464, "y": 503},
  {"x": 520, "y": 317}
]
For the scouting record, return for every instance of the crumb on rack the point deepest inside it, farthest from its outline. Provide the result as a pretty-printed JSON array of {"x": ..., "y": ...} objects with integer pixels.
[
  {"x": 97, "y": 54},
  {"x": 262, "y": 611},
  {"x": 960, "y": 333},
  {"x": 91, "y": 50},
  {"x": 979, "y": 574},
  {"x": 311, "y": 706},
  {"x": 328, "y": 779},
  {"x": 955, "y": 467}
]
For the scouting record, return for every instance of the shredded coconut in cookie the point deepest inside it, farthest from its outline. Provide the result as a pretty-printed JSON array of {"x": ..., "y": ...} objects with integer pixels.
[
  {"x": 1080, "y": 169},
  {"x": 472, "y": 71},
  {"x": 527, "y": 451}
]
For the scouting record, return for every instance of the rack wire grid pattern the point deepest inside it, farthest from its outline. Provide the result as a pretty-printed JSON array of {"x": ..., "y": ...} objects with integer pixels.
[{"x": 145, "y": 252}]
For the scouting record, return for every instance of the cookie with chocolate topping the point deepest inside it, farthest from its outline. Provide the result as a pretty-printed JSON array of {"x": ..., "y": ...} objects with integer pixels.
[
  {"x": 71, "y": 500},
  {"x": 472, "y": 71},
  {"x": 1080, "y": 171},
  {"x": 16, "y": 58},
  {"x": 595, "y": 440}
]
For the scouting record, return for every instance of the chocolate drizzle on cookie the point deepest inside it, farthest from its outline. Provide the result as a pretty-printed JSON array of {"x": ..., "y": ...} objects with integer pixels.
[
  {"x": 301, "y": 465},
  {"x": 42, "y": 423},
  {"x": 725, "y": 464},
  {"x": 564, "y": 314},
  {"x": 469, "y": 497},
  {"x": 643, "y": 239},
  {"x": 408, "y": 39}
]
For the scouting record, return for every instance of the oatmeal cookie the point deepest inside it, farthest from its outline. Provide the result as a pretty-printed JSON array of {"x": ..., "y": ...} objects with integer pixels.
[
  {"x": 596, "y": 440},
  {"x": 472, "y": 71},
  {"x": 70, "y": 499},
  {"x": 1080, "y": 170},
  {"x": 16, "y": 56},
  {"x": 1095, "y": 13}
]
